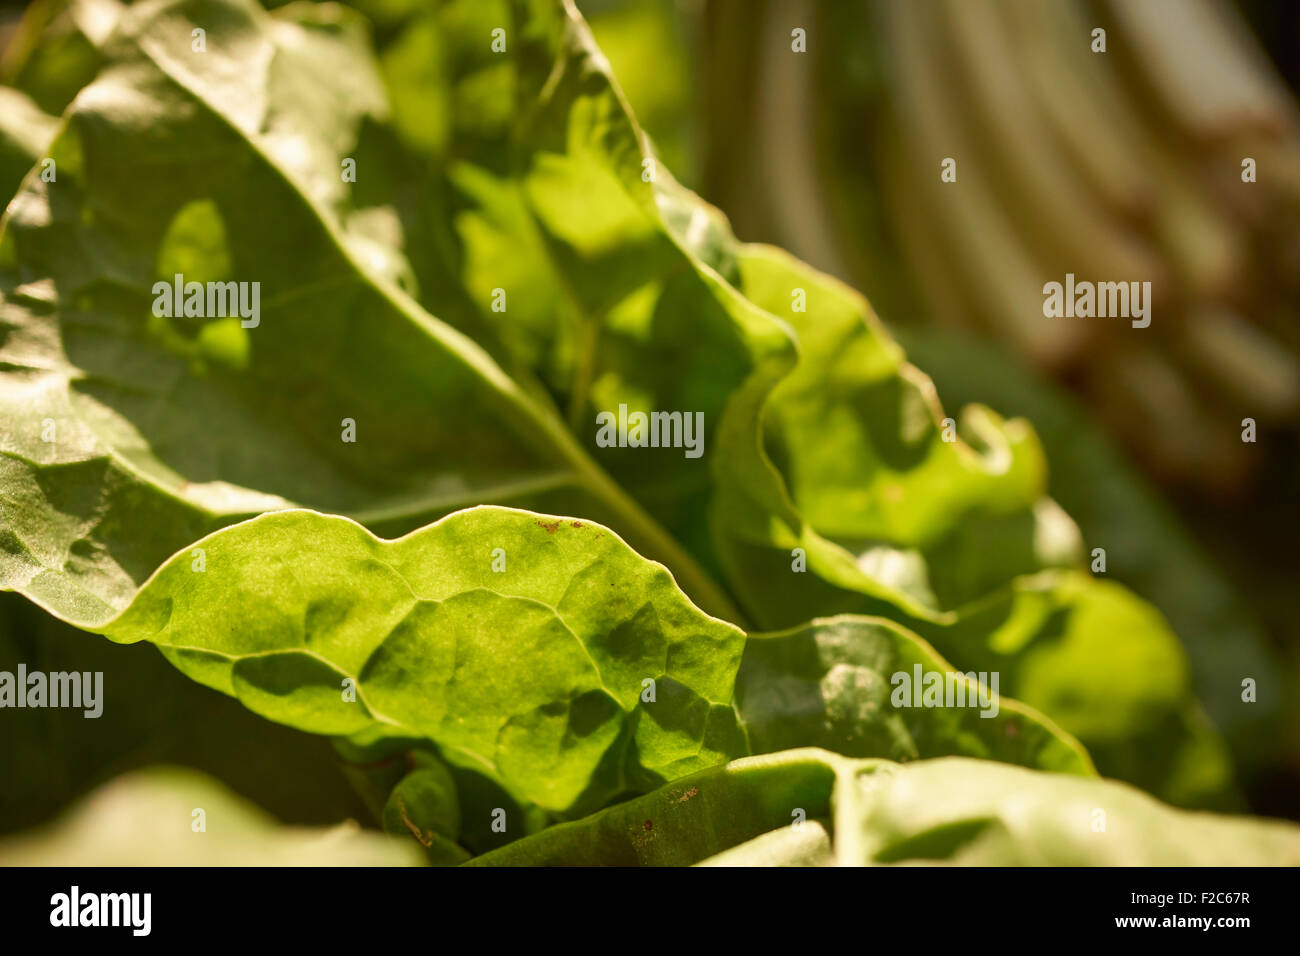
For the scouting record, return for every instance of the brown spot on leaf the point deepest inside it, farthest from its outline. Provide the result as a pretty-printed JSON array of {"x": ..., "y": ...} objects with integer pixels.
[
  {"x": 688, "y": 794},
  {"x": 550, "y": 527},
  {"x": 648, "y": 826}
]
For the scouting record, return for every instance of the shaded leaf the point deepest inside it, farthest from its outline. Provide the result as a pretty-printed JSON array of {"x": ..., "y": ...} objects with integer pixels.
[
  {"x": 148, "y": 714},
  {"x": 689, "y": 819},
  {"x": 25, "y": 132},
  {"x": 424, "y": 806},
  {"x": 837, "y": 683},
  {"x": 57, "y": 49}
]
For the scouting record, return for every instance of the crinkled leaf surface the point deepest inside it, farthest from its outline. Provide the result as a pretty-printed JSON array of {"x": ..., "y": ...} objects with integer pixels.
[
  {"x": 128, "y": 435},
  {"x": 852, "y": 458},
  {"x": 523, "y": 646},
  {"x": 832, "y": 684},
  {"x": 969, "y": 521},
  {"x": 146, "y": 818},
  {"x": 1146, "y": 547},
  {"x": 518, "y": 642}
]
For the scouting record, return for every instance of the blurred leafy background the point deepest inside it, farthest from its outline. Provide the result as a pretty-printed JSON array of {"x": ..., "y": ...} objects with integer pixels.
[{"x": 1122, "y": 166}]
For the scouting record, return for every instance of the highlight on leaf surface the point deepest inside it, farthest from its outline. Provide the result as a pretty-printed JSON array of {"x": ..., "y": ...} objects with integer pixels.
[{"x": 533, "y": 674}]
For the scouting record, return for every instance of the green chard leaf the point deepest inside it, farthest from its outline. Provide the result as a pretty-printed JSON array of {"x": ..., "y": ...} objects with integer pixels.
[
  {"x": 955, "y": 539},
  {"x": 129, "y": 434},
  {"x": 425, "y": 805},
  {"x": 849, "y": 452},
  {"x": 545, "y": 654},
  {"x": 522, "y": 645},
  {"x": 1146, "y": 548},
  {"x": 689, "y": 819},
  {"x": 858, "y": 686},
  {"x": 557, "y": 202},
  {"x": 813, "y": 807}
]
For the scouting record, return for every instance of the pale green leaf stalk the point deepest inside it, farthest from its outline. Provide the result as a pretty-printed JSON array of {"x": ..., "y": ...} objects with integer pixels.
[
  {"x": 812, "y": 807},
  {"x": 168, "y": 816}
]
